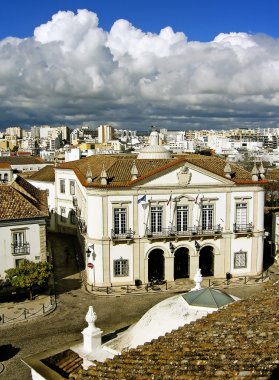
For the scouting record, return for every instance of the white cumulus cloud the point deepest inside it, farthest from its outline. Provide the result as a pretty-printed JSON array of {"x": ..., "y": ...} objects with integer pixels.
[{"x": 73, "y": 71}]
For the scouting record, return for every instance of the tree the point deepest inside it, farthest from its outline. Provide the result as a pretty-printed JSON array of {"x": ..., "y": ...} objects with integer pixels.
[{"x": 29, "y": 274}]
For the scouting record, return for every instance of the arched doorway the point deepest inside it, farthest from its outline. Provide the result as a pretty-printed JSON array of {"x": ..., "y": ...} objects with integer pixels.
[
  {"x": 206, "y": 261},
  {"x": 181, "y": 263},
  {"x": 156, "y": 264}
]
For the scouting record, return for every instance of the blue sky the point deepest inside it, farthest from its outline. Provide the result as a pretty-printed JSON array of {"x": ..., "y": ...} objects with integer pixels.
[
  {"x": 200, "y": 20},
  {"x": 176, "y": 64}
]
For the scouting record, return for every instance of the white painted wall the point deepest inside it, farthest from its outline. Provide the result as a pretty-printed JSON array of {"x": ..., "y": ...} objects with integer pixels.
[{"x": 32, "y": 236}]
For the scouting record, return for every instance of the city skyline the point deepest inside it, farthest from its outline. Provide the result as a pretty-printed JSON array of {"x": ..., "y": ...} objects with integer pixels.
[{"x": 132, "y": 65}]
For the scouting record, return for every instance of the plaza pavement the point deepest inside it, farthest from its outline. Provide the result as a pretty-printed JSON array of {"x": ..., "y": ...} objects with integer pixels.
[{"x": 68, "y": 278}]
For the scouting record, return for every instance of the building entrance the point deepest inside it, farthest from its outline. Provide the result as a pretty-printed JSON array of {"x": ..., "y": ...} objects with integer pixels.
[
  {"x": 181, "y": 263},
  {"x": 206, "y": 261},
  {"x": 156, "y": 265}
]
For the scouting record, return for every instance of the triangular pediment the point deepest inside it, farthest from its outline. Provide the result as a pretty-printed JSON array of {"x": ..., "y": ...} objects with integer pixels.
[{"x": 184, "y": 175}]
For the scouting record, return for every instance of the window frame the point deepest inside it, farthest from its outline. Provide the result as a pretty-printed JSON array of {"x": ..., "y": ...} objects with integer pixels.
[
  {"x": 121, "y": 267},
  {"x": 207, "y": 225},
  {"x": 62, "y": 186},
  {"x": 63, "y": 217},
  {"x": 236, "y": 212},
  {"x": 72, "y": 185},
  {"x": 185, "y": 209},
  {"x": 117, "y": 225},
  {"x": 73, "y": 218},
  {"x": 236, "y": 259},
  {"x": 159, "y": 211}
]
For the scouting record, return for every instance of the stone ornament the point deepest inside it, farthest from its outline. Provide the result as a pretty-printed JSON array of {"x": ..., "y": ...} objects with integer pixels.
[
  {"x": 91, "y": 318},
  {"x": 198, "y": 280},
  {"x": 184, "y": 175}
]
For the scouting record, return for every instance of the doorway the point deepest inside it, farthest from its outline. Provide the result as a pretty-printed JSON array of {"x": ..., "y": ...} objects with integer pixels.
[
  {"x": 181, "y": 263},
  {"x": 156, "y": 264},
  {"x": 206, "y": 261}
]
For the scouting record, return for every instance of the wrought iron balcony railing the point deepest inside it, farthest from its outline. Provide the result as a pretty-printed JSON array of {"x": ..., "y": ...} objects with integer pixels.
[
  {"x": 243, "y": 228},
  {"x": 195, "y": 230},
  {"x": 209, "y": 230},
  {"x": 122, "y": 234},
  {"x": 20, "y": 249}
]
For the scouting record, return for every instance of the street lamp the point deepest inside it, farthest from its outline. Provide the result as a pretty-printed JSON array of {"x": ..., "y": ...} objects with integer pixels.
[{"x": 198, "y": 247}]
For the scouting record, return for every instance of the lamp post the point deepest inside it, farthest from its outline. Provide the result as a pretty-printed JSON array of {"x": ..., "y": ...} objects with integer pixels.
[{"x": 91, "y": 256}]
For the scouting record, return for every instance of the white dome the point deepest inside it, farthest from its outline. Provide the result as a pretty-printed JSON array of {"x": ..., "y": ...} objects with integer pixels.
[
  {"x": 154, "y": 152},
  {"x": 169, "y": 315}
]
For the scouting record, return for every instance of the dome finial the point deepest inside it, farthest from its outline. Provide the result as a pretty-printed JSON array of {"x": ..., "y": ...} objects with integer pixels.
[
  {"x": 88, "y": 174},
  {"x": 255, "y": 172},
  {"x": 134, "y": 171},
  {"x": 104, "y": 176}
]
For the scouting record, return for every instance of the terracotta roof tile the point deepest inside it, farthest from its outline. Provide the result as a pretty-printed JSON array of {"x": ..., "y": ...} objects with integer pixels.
[
  {"x": 46, "y": 174},
  {"x": 119, "y": 167},
  {"x": 5, "y": 165},
  {"x": 25, "y": 160},
  {"x": 239, "y": 341},
  {"x": 21, "y": 200}
]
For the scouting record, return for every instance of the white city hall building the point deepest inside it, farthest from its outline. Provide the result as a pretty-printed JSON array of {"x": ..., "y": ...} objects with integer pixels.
[{"x": 158, "y": 216}]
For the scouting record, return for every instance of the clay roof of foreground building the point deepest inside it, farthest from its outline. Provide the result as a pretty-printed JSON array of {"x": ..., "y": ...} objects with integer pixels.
[
  {"x": 46, "y": 174},
  {"x": 118, "y": 168},
  {"x": 236, "y": 342},
  {"x": 21, "y": 200},
  {"x": 240, "y": 341}
]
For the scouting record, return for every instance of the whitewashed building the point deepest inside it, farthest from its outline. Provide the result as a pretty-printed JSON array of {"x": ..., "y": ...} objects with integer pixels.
[
  {"x": 158, "y": 216},
  {"x": 23, "y": 213}
]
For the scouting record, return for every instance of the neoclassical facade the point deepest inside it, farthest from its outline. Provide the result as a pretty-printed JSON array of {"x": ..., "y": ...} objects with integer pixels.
[{"x": 158, "y": 216}]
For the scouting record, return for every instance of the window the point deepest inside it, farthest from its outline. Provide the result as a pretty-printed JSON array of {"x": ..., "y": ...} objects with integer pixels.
[
  {"x": 241, "y": 214},
  {"x": 18, "y": 262},
  {"x": 72, "y": 188},
  {"x": 62, "y": 186},
  {"x": 120, "y": 220},
  {"x": 156, "y": 219},
  {"x": 19, "y": 245},
  {"x": 240, "y": 259},
  {"x": 182, "y": 218},
  {"x": 121, "y": 267},
  {"x": 63, "y": 214},
  {"x": 207, "y": 217},
  {"x": 18, "y": 238},
  {"x": 72, "y": 217}
]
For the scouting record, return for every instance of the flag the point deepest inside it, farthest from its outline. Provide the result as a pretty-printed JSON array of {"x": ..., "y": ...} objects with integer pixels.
[
  {"x": 169, "y": 200},
  {"x": 142, "y": 199}
]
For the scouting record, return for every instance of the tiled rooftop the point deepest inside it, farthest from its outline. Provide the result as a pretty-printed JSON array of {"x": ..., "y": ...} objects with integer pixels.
[
  {"x": 119, "y": 167},
  {"x": 21, "y": 200},
  {"x": 22, "y": 160},
  {"x": 240, "y": 341},
  {"x": 46, "y": 174}
]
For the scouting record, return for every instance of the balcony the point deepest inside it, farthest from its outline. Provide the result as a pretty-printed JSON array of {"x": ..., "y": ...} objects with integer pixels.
[
  {"x": 20, "y": 249},
  {"x": 243, "y": 228},
  {"x": 122, "y": 235},
  {"x": 171, "y": 232}
]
